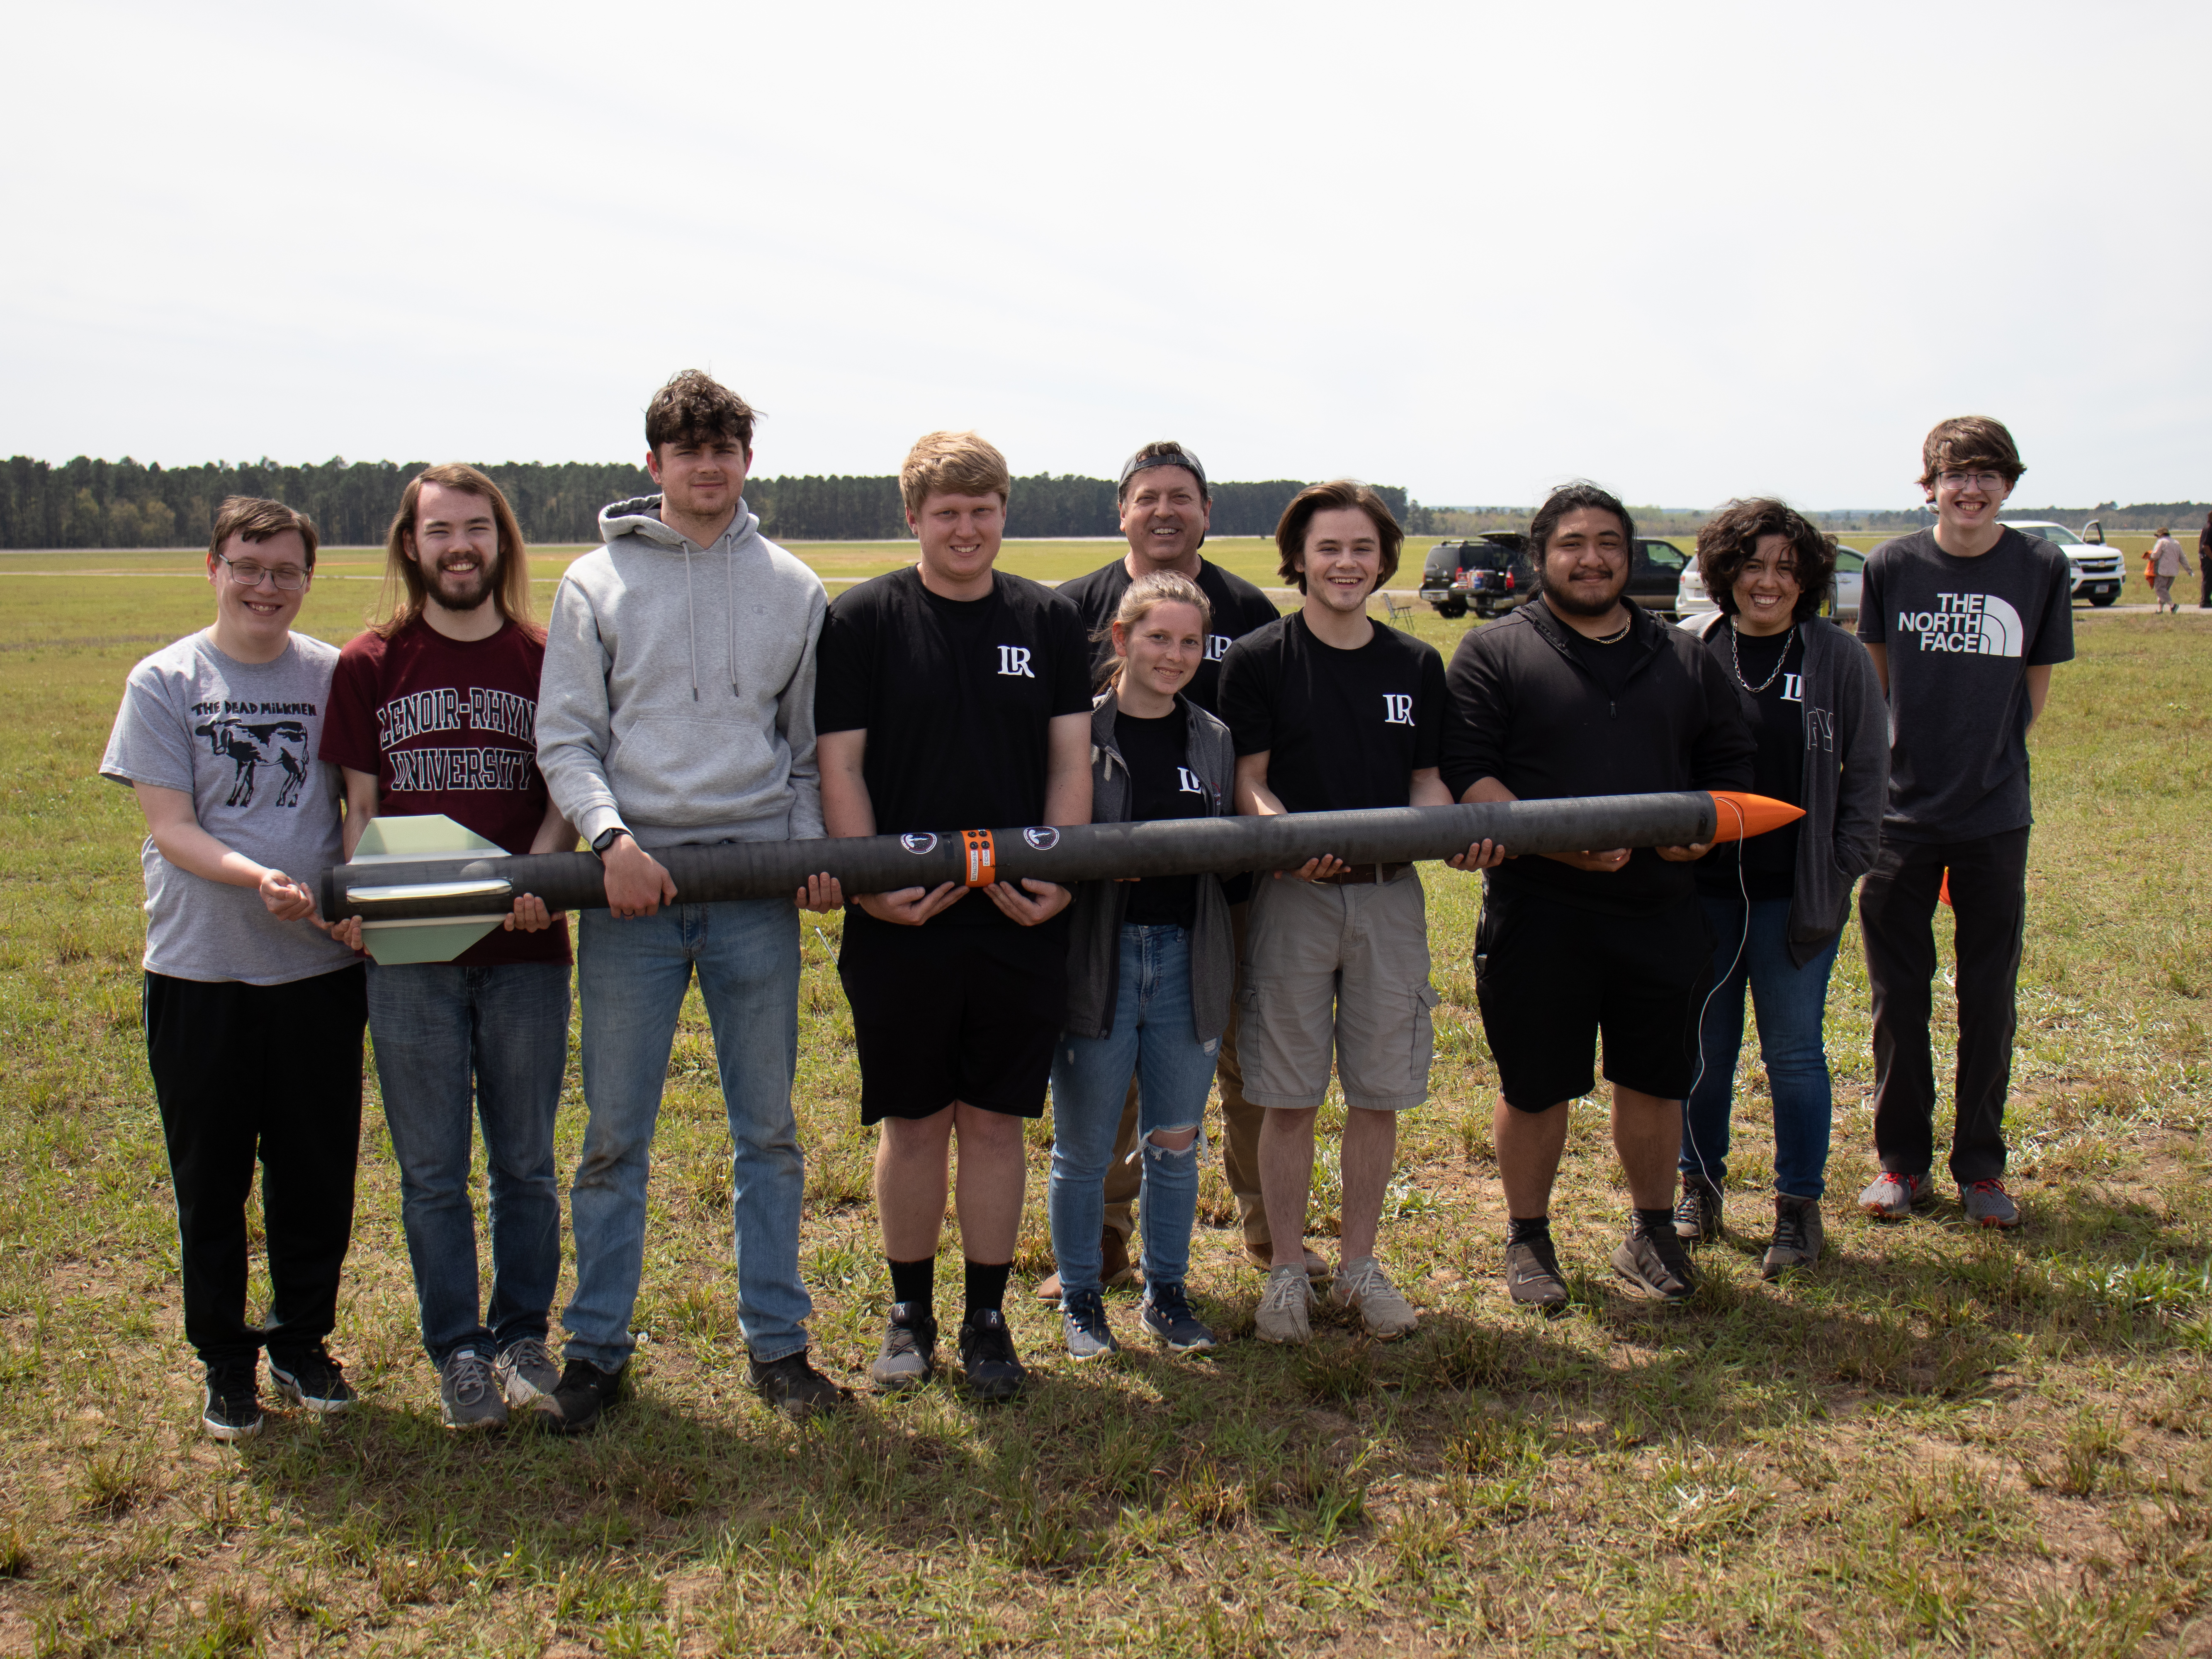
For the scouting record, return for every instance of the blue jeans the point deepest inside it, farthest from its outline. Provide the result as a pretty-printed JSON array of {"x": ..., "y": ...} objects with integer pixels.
[
  {"x": 1789, "y": 1002},
  {"x": 1151, "y": 1038},
  {"x": 632, "y": 975},
  {"x": 437, "y": 1028}
]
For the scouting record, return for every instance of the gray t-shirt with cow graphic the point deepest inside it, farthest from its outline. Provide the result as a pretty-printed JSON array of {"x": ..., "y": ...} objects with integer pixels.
[{"x": 240, "y": 738}]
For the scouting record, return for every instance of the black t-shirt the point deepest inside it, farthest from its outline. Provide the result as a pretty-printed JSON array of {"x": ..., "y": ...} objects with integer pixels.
[
  {"x": 1772, "y": 676},
  {"x": 957, "y": 697},
  {"x": 1160, "y": 787},
  {"x": 1961, "y": 635},
  {"x": 1343, "y": 731},
  {"x": 1238, "y": 608},
  {"x": 1610, "y": 662}
]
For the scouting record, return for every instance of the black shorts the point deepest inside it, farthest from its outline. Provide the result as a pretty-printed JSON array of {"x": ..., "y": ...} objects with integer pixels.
[
  {"x": 950, "y": 1012},
  {"x": 1551, "y": 978}
]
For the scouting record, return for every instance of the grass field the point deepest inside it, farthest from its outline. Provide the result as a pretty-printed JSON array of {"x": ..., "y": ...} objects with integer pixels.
[{"x": 1940, "y": 1440}]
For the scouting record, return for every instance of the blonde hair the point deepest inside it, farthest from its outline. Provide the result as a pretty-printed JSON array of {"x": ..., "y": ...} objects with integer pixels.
[
  {"x": 1145, "y": 595},
  {"x": 952, "y": 464},
  {"x": 402, "y": 595}
]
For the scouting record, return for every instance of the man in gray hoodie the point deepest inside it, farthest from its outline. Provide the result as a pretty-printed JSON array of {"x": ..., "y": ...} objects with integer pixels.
[{"x": 676, "y": 707}]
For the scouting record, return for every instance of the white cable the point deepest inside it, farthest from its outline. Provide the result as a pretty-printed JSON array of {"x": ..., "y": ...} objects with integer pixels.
[{"x": 1742, "y": 943}]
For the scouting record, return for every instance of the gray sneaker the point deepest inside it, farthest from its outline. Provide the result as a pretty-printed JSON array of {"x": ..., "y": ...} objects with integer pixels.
[
  {"x": 1657, "y": 1262},
  {"x": 1892, "y": 1197},
  {"x": 1383, "y": 1309},
  {"x": 527, "y": 1375},
  {"x": 1988, "y": 1203},
  {"x": 1532, "y": 1275},
  {"x": 1283, "y": 1315},
  {"x": 1797, "y": 1236},
  {"x": 907, "y": 1360},
  {"x": 1698, "y": 1217},
  {"x": 1083, "y": 1318},
  {"x": 468, "y": 1394}
]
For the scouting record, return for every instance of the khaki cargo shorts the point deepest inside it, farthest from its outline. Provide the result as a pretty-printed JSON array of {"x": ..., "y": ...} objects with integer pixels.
[{"x": 1340, "y": 971}]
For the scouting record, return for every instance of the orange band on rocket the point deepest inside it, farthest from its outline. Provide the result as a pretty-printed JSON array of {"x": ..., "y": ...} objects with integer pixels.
[
  {"x": 984, "y": 858},
  {"x": 1736, "y": 816}
]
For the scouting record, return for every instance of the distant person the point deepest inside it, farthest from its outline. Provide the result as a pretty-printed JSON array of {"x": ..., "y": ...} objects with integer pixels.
[
  {"x": 1166, "y": 509},
  {"x": 952, "y": 695},
  {"x": 1150, "y": 968},
  {"x": 1333, "y": 712},
  {"x": 2204, "y": 565},
  {"x": 2167, "y": 561},
  {"x": 678, "y": 709},
  {"x": 1962, "y": 622},
  {"x": 435, "y": 710},
  {"x": 254, "y": 1013},
  {"x": 1580, "y": 692},
  {"x": 1777, "y": 903}
]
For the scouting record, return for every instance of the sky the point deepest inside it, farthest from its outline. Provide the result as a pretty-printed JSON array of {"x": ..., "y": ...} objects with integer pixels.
[{"x": 1691, "y": 251}]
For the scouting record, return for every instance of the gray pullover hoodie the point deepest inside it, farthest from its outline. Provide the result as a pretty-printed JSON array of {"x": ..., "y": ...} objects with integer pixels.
[{"x": 677, "y": 697}]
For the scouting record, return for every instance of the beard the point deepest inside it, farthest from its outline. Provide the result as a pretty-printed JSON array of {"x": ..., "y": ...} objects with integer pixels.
[
  {"x": 1564, "y": 599},
  {"x": 461, "y": 590}
]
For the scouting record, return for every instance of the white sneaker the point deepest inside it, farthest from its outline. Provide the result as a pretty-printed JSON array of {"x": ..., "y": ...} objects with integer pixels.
[
  {"x": 527, "y": 1376},
  {"x": 1362, "y": 1285},
  {"x": 1282, "y": 1316}
]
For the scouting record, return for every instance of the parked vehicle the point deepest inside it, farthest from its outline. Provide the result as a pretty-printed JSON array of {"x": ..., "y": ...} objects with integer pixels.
[
  {"x": 2096, "y": 569},
  {"x": 1691, "y": 599},
  {"x": 1491, "y": 573}
]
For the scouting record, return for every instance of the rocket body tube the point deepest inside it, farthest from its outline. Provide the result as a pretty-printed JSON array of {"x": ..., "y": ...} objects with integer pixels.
[{"x": 393, "y": 890}]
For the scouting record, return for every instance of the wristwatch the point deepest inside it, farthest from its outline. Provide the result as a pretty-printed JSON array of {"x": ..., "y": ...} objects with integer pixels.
[{"x": 605, "y": 839}]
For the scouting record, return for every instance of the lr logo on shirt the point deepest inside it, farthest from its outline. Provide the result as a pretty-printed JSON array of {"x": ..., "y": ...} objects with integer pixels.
[
  {"x": 1015, "y": 659},
  {"x": 1217, "y": 647},
  {"x": 1793, "y": 688},
  {"x": 1397, "y": 709},
  {"x": 1190, "y": 781},
  {"x": 1979, "y": 624}
]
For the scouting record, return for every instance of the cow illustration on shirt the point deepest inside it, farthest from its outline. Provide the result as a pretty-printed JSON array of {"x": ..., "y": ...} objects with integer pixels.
[{"x": 251, "y": 746}]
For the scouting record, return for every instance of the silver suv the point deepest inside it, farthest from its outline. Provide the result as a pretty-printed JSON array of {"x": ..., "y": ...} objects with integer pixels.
[{"x": 2096, "y": 569}]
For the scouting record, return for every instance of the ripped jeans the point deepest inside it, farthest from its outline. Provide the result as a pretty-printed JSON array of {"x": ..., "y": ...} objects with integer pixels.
[{"x": 1150, "y": 1037}]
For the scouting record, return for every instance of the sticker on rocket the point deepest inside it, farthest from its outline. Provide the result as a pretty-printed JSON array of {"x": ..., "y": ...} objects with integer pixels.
[
  {"x": 919, "y": 842},
  {"x": 1044, "y": 840},
  {"x": 983, "y": 857}
]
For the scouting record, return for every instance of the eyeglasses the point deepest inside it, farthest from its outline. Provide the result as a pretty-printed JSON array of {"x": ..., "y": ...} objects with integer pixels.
[
  {"x": 1960, "y": 480},
  {"x": 288, "y": 578}
]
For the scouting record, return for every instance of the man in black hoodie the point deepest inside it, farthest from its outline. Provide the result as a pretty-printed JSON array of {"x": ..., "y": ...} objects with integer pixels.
[{"x": 1581, "y": 693}]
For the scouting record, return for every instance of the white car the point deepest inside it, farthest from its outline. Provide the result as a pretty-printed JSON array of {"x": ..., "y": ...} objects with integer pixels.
[
  {"x": 1691, "y": 599},
  {"x": 2097, "y": 570}
]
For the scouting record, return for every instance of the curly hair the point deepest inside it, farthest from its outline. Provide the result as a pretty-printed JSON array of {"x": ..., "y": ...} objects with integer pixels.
[
  {"x": 694, "y": 406},
  {"x": 1727, "y": 539},
  {"x": 1291, "y": 528}
]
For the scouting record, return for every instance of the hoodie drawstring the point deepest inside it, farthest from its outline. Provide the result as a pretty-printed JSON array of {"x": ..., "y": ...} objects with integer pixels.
[
  {"x": 690, "y": 620},
  {"x": 730, "y": 609}
]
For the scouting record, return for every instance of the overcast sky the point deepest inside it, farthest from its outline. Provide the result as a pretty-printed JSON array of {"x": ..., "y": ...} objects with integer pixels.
[{"x": 1690, "y": 251}]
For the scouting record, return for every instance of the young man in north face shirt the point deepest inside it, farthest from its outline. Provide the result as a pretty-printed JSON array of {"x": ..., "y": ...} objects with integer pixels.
[{"x": 1964, "y": 623}]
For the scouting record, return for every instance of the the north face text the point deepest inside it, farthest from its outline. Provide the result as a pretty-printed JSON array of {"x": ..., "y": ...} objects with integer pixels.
[{"x": 1977, "y": 624}]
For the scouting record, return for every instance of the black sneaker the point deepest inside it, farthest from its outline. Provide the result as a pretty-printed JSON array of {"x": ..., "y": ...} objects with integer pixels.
[
  {"x": 586, "y": 1391},
  {"x": 1532, "y": 1275},
  {"x": 794, "y": 1387},
  {"x": 1083, "y": 1318},
  {"x": 311, "y": 1379},
  {"x": 908, "y": 1358},
  {"x": 1166, "y": 1313},
  {"x": 988, "y": 1361},
  {"x": 1698, "y": 1217},
  {"x": 234, "y": 1404},
  {"x": 1658, "y": 1262}
]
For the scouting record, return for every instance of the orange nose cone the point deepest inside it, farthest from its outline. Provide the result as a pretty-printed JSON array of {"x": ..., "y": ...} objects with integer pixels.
[{"x": 1742, "y": 815}]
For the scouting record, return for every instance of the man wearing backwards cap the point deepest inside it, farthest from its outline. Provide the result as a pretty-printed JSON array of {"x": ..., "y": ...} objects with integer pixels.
[{"x": 1166, "y": 509}]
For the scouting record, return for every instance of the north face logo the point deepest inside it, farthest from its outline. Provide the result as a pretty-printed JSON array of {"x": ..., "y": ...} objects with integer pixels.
[{"x": 1977, "y": 624}]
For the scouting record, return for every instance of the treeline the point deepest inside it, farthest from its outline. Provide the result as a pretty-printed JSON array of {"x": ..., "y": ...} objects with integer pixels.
[{"x": 95, "y": 503}]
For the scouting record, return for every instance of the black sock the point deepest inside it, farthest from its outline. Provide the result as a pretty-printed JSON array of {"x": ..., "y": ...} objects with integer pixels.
[
  {"x": 1655, "y": 1222},
  {"x": 1529, "y": 1229},
  {"x": 913, "y": 1281},
  {"x": 987, "y": 1286}
]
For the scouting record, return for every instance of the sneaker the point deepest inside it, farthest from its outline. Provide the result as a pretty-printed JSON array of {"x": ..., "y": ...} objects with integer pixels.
[
  {"x": 908, "y": 1359},
  {"x": 794, "y": 1387},
  {"x": 1657, "y": 1262},
  {"x": 988, "y": 1361},
  {"x": 585, "y": 1393},
  {"x": 1988, "y": 1202},
  {"x": 527, "y": 1375},
  {"x": 1083, "y": 1317},
  {"x": 1317, "y": 1268},
  {"x": 311, "y": 1379},
  {"x": 1797, "y": 1236},
  {"x": 1532, "y": 1275},
  {"x": 1382, "y": 1310},
  {"x": 1891, "y": 1197},
  {"x": 1282, "y": 1316},
  {"x": 1166, "y": 1313},
  {"x": 233, "y": 1405},
  {"x": 1698, "y": 1217},
  {"x": 468, "y": 1392}
]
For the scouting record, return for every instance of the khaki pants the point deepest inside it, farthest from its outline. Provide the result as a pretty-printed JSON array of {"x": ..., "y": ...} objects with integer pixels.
[{"x": 1240, "y": 1138}]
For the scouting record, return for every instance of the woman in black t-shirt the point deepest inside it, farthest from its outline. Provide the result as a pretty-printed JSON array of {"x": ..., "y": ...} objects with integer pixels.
[
  {"x": 1150, "y": 968},
  {"x": 1777, "y": 902}
]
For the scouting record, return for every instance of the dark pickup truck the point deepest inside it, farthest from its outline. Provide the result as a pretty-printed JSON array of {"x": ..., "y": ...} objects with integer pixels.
[{"x": 1491, "y": 573}]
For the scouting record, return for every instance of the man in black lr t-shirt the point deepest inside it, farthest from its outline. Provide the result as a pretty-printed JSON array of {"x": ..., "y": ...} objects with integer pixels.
[
  {"x": 1581, "y": 693},
  {"x": 953, "y": 696},
  {"x": 1166, "y": 509},
  {"x": 1963, "y": 622},
  {"x": 1331, "y": 711}
]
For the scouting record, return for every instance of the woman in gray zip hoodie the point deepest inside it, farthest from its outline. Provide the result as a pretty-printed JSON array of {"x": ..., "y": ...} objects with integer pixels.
[
  {"x": 1777, "y": 904},
  {"x": 1150, "y": 968}
]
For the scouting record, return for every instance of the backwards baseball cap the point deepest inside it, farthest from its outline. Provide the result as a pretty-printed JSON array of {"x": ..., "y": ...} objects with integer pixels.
[{"x": 1162, "y": 451}]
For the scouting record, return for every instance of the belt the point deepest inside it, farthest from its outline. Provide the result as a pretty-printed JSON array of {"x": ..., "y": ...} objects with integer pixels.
[{"x": 1362, "y": 874}]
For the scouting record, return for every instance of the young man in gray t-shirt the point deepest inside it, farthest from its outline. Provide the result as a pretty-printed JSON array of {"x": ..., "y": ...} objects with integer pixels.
[{"x": 254, "y": 1013}]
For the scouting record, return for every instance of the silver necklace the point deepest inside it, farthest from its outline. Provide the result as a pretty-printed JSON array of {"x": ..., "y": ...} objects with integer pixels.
[
  {"x": 1615, "y": 639},
  {"x": 1778, "y": 661}
]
